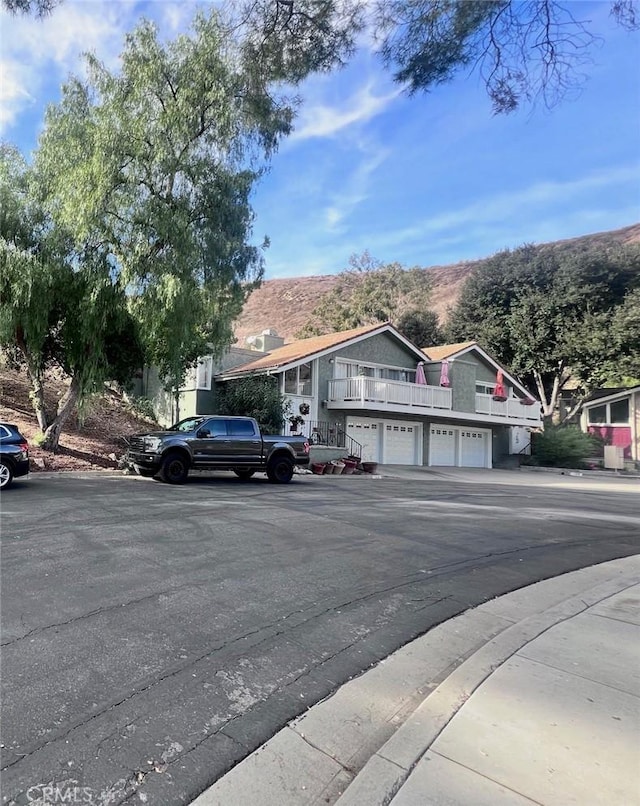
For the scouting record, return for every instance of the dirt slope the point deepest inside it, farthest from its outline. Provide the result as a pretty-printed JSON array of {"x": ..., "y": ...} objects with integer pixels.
[
  {"x": 285, "y": 305},
  {"x": 95, "y": 443}
]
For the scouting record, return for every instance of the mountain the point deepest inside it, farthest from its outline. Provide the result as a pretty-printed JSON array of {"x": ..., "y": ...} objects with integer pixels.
[{"x": 285, "y": 305}]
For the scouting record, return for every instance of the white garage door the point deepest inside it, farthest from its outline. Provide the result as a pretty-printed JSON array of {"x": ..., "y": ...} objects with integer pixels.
[
  {"x": 442, "y": 446},
  {"x": 456, "y": 446},
  {"x": 368, "y": 433},
  {"x": 472, "y": 448},
  {"x": 400, "y": 442}
]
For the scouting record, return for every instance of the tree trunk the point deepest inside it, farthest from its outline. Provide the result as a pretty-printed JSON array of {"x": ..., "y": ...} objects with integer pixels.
[
  {"x": 37, "y": 387},
  {"x": 37, "y": 399},
  {"x": 65, "y": 407},
  {"x": 177, "y": 399}
]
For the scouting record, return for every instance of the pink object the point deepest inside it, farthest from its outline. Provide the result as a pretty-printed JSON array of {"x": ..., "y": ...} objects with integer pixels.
[
  {"x": 421, "y": 378},
  {"x": 619, "y": 435},
  {"x": 444, "y": 374},
  {"x": 498, "y": 392}
]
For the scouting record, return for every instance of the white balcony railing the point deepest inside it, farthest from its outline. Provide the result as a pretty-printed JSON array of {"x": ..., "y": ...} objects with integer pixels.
[
  {"x": 384, "y": 393},
  {"x": 511, "y": 408}
]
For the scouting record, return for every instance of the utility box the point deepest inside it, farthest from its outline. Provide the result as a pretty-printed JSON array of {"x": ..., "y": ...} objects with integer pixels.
[{"x": 614, "y": 457}]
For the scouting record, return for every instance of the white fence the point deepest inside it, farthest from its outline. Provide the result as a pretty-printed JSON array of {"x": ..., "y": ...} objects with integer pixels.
[
  {"x": 510, "y": 408},
  {"x": 398, "y": 393}
]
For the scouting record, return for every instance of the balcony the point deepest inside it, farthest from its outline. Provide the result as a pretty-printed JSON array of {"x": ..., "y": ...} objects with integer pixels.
[
  {"x": 378, "y": 395},
  {"x": 511, "y": 409},
  {"x": 374, "y": 393}
]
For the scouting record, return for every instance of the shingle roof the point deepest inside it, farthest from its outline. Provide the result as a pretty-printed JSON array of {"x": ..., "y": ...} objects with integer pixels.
[
  {"x": 303, "y": 348},
  {"x": 443, "y": 351}
]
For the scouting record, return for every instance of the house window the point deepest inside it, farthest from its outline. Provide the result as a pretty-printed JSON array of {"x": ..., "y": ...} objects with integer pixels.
[
  {"x": 346, "y": 369},
  {"x": 483, "y": 388},
  {"x": 597, "y": 415},
  {"x": 298, "y": 380},
  {"x": 619, "y": 412},
  {"x": 616, "y": 413}
]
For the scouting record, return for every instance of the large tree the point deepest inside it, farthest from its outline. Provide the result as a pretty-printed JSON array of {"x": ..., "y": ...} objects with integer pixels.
[
  {"x": 369, "y": 292},
  {"x": 149, "y": 171},
  {"x": 555, "y": 313},
  {"x": 58, "y": 306}
]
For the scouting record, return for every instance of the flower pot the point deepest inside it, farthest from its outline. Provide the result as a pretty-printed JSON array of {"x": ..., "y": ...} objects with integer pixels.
[
  {"x": 338, "y": 467},
  {"x": 349, "y": 466},
  {"x": 318, "y": 468},
  {"x": 328, "y": 469},
  {"x": 369, "y": 467}
]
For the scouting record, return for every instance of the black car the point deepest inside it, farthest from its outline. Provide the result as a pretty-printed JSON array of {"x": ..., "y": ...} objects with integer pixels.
[{"x": 14, "y": 455}]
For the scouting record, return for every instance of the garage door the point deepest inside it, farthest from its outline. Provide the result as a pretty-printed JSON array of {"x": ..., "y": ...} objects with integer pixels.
[
  {"x": 456, "y": 446},
  {"x": 368, "y": 433},
  {"x": 400, "y": 442},
  {"x": 472, "y": 447},
  {"x": 442, "y": 446}
]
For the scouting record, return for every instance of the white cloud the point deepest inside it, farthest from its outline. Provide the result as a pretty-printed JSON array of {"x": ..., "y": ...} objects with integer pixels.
[
  {"x": 516, "y": 205},
  {"x": 355, "y": 188},
  {"x": 37, "y": 50},
  {"x": 321, "y": 120},
  {"x": 14, "y": 94}
]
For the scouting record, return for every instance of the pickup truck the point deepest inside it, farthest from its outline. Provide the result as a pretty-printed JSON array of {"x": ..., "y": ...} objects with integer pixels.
[{"x": 215, "y": 442}]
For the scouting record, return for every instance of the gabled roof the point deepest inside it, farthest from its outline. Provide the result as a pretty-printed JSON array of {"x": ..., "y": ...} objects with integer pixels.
[
  {"x": 303, "y": 349},
  {"x": 444, "y": 351},
  {"x": 600, "y": 396}
]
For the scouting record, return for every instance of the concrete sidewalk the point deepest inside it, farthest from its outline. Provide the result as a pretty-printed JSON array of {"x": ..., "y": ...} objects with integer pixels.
[{"x": 530, "y": 698}]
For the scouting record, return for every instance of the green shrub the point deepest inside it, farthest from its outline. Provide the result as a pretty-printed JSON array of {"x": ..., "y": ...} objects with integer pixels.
[
  {"x": 562, "y": 446},
  {"x": 258, "y": 397}
]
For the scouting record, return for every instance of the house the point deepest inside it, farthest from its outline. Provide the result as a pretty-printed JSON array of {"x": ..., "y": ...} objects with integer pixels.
[
  {"x": 394, "y": 402},
  {"x": 614, "y": 415}
]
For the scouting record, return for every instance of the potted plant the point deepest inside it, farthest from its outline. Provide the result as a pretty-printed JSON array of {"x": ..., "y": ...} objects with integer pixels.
[
  {"x": 295, "y": 421},
  {"x": 304, "y": 408}
]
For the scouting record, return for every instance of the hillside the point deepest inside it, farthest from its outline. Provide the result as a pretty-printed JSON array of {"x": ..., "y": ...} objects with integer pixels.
[
  {"x": 285, "y": 305},
  {"x": 96, "y": 443}
]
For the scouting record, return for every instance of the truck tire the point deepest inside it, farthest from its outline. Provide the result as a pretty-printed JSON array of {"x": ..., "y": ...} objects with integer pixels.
[
  {"x": 280, "y": 470},
  {"x": 243, "y": 474},
  {"x": 174, "y": 468}
]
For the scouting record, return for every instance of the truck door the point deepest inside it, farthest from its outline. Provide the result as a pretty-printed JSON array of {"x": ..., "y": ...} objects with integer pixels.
[
  {"x": 211, "y": 445},
  {"x": 245, "y": 443}
]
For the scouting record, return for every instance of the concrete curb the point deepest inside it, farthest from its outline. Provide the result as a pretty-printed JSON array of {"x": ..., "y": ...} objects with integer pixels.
[
  {"x": 560, "y": 471},
  {"x": 361, "y": 744}
]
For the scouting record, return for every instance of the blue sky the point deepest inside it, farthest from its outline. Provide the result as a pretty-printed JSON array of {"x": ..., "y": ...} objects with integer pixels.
[{"x": 423, "y": 180}]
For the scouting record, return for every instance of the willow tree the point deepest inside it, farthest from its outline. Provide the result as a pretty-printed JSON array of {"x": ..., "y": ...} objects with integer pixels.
[
  {"x": 152, "y": 168},
  {"x": 58, "y": 306}
]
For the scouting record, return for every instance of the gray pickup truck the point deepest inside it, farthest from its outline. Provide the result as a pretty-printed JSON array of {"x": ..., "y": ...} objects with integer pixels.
[{"x": 214, "y": 442}]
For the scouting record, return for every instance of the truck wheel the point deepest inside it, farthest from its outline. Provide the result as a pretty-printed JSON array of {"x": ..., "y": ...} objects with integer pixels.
[
  {"x": 174, "y": 468},
  {"x": 243, "y": 474},
  {"x": 280, "y": 470}
]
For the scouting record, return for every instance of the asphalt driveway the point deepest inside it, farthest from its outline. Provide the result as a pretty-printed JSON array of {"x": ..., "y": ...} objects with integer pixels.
[{"x": 152, "y": 636}]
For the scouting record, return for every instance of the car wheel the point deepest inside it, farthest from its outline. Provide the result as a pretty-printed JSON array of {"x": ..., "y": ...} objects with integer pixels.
[
  {"x": 6, "y": 474},
  {"x": 145, "y": 472},
  {"x": 244, "y": 474},
  {"x": 280, "y": 470},
  {"x": 174, "y": 468}
]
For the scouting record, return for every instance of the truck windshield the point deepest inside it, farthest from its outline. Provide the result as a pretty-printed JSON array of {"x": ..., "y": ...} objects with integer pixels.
[{"x": 190, "y": 424}]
